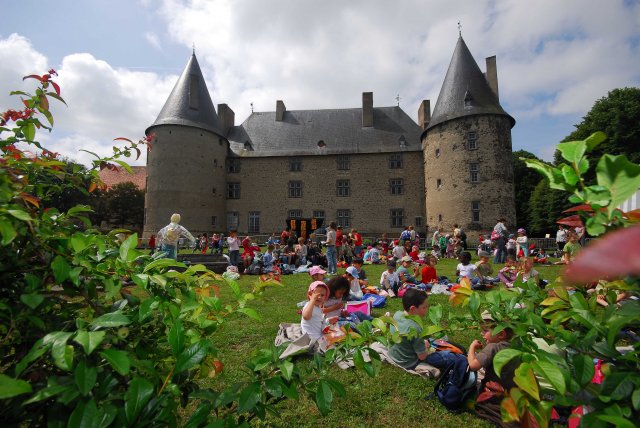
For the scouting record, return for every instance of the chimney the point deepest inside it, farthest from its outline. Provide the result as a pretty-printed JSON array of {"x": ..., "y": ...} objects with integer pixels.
[
  {"x": 424, "y": 114},
  {"x": 367, "y": 109},
  {"x": 492, "y": 74},
  {"x": 280, "y": 109},
  {"x": 227, "y": 117}
]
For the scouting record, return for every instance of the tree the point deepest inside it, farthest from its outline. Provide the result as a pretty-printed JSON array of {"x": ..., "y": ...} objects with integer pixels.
[
  {"x": 125, "y": 205},
  {"x": 525, "y": 181},
  {"x": 618, "y": 116},
  {"x": 544, "y": 208}
]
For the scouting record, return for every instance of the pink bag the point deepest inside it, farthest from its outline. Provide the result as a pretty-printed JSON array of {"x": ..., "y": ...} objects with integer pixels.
[{"x": 363, "y": 306}]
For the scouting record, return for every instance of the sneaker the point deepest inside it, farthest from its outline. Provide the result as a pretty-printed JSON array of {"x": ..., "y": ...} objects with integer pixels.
[{"x": 387, "y": 314}]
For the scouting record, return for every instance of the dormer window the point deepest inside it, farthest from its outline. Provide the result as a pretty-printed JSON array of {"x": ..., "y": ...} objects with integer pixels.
[
  {"x": 468, "y": 99},
  {"x": 321, "y": 144},
  {"x": 194, "y": 102},
  {"x": 248, "y": 146},
  {"x": 403, "y": 142}
]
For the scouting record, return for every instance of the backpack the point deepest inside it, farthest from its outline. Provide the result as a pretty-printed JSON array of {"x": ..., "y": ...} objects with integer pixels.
[
  {"x": 495, "y": 235},
  {"x": 456, "y": 385},
  {"x": 463, "y": 235},
  {"x": 405, "y": 235},
  {"x": 377, "y": 301},
  {"x": 255, "y": 268}
]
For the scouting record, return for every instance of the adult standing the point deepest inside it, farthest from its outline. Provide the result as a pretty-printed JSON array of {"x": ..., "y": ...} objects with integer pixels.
[
  {"x": 561, "y": 238},
  {"x": 233, "y": 242},
  {"x": 332, "y": 255},
  {"x": 169, "y": 235},
  {"x": 501, "y": 234},
  {"x": 435, "y": 239},
  {"x": 357, "y": 243}
]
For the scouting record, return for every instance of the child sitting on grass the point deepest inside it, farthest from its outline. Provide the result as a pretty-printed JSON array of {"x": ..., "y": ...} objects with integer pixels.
[
  {"x": 429, "y": 276},
  {"x": 508, "y": 274},
  {"x": 334, "y": 304},
  {"x": 389, "y": 279},
  {"x": 313, "y": 320},
  {"x": 485, "y": 269},
  {"x": 466, "y": 269},
  {"x": 412, "y": 350}
]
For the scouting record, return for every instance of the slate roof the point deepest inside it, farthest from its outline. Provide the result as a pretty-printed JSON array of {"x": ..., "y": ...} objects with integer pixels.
[
  {"x": 111, "y": 178},
  {"x": 176, "y": 110},
  {"x": 341, "y": 131},
  {"x": 465, "y": 82}
]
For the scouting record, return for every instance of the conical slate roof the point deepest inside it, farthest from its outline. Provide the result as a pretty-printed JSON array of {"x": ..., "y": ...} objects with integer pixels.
[
  {"x": 465, "y": 91},
  {"x": 180, "y": 109}
]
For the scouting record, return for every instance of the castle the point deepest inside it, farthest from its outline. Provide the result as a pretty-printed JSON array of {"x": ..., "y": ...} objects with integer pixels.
[{"x": 372, "y": 168}]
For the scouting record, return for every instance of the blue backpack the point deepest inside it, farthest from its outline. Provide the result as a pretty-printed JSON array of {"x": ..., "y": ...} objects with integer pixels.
[
  {"x": 456, "y": 385},
  {"x": 377, "y": 301}
]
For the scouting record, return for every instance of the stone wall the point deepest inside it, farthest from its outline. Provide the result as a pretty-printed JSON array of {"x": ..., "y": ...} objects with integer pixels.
[
  {"x": 186, "y": 174},
  {"x": 448, "y": 158},
  {"x": 264, "y": 184}
]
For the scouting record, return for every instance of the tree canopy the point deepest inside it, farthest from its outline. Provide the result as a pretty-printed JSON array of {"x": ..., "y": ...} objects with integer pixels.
[{"x": 526, "y": 180}]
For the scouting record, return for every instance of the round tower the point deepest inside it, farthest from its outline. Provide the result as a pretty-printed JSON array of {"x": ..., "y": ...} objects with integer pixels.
[
  {"x": 467, "y": 149},
  {"x": 186, "y": 165}
]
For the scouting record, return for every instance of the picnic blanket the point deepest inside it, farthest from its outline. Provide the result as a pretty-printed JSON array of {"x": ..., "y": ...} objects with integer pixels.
[{"x": 299, "y": 343}]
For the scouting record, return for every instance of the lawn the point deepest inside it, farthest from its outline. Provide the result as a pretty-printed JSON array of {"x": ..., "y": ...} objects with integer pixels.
[{"x": 393, "y": 398}]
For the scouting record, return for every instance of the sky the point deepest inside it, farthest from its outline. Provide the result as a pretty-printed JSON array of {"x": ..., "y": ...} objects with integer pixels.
[{"x": 119, "y": 59}]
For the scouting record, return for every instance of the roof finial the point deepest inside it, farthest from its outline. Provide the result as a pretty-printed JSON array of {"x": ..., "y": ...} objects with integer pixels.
[
  {"x": 398, "y": 99},
  {"x": 194, "y": 47},
  {"x": 251, "y": 107},
  {"x": 459, "y": 29}
]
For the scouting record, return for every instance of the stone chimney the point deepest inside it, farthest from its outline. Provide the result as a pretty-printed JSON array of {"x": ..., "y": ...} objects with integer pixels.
[
  {"x": 367, "y": 109},
  {"x": 227, "y": 118},
  {"x": 424, "y": 114},
  {"x": 280, "y": 109},
  {"x": 492, "y": 74}
]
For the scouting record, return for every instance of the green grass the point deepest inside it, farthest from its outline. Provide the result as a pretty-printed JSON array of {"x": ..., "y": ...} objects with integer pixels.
[{"x": 393, "y": 398}]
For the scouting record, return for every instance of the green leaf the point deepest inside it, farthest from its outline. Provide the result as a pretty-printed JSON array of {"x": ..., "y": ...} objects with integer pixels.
[
  {"x": 10, "y": 387},
  {"x": 617, "y": 421},
  {"x": 618, "y": 386},
  {"x": 191, "y": 356},
  {"x": 32, "y": 300},
  {"x": 62, "y": 356},
  {"x": 29, "y": 131},
  {"x": 594, "y": 139},
  {"x": 60, "y": 269},
  {"x": 286, "y": 367},
  {"x": 324, "y": 397},
  {"x": 526, "y": 380},
  {"x": 503, "y": 357},
  {"x": 85, "y": 415},
  {"x": 551, "y": 372},
  {"x": 85, "y": 377},
  {"x": 112, "y": 319},
  {"x": 119, "y": 360},
  {"x": 570, "y": 175},
  {"x": 78, "y": 242},
  {"x": 251, "y": 313},
  {"x": 141, "y": 280},
  {"x": 572, "y": 151},
  {"x": 127, "y": 249},
  {"x": 552, "y": 174},
  {"x": 8, "y": 232},
  {"x": 177, "y": 338},
  {"x": 584, "y": 369},
  {"x": 162, "y": 263},
  {"x": 137, "y": 396},
  {"x": 249, "y": 397},
  {"x": 36, "y": 352},
  {"x": 635, "y": 399},
  {"x": 47, "y": 392},
  {"x": 20, "y": 215},
  {"x": 89, "y": 340},
  {"x": 146, "y": 307},
  {"x": 620, "y": 176}
]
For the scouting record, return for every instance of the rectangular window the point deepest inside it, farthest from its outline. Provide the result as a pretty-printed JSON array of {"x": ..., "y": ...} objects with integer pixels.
[
  {"x": 254, "y": 221},
  {"x": 233, "y": 190},
  {"x": 418, "y": 222},
  {"x": 397, "y": 186},
  {"x": 344, "y": 162},
  {"x": 295, "y": 164},
  {"x": 472, "y": 140},
  {"x": 475, "y": 211},
  {"x": 395, "y": 161},
  {"x": 397, "y": 217},
  {"x": 295, "y": 189},
  {"x": 473, "y": 173},
  {"x": 319, "y": 214},
  {"x": 295, "y": 213},
  {"x": 344, "y": 218},
  {"x": 214, "y": 220},
  {"x": 233, "y": 166},
  {"x": 233, "y": 220},
  {"x": 438, "y": 183},
  {"x": 343, "y": 187}
]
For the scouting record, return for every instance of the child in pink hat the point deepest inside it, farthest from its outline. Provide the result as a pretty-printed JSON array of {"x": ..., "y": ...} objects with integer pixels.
[{"x": 313, "y": 320}]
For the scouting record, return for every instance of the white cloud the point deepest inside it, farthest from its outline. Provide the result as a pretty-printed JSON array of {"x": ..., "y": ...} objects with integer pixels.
[
  {"x": 153, "y": 40},
  {"x": 17, "y": 59}
]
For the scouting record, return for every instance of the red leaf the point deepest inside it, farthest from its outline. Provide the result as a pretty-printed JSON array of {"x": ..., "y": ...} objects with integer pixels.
[
  {"x": 92, "y": 187},
  {"x": 32, "y": 76},
  {"x": 613, "y": 256},
  {"x": 56, "y": 87},
  {"x": 484, "y": 396},
  {"x": 584, "y": 207},
  {"x": 31, "y": 199},
  {"x": 633, "y": 216},
  {"x": 123, "y": 139},
  {"x": 494, "y": 386},
  {"x": 571, "y": 221}
]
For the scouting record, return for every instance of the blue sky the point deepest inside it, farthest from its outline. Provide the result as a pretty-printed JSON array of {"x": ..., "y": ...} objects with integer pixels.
[{"x": 118, "y": 60}]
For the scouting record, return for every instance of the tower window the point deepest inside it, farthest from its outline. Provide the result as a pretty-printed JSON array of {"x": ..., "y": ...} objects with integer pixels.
[
  {"x": 254, "y": 221},
  {"x": 437, "y": 153},
  {"x": 214, "y": 221},
  {"x": 233, "y": 166},
  {"x": 295, "y": 189},
  {"x": 475, "y": 211},
  {"x": 472, "y": 140},
  {"x": 438, "y": 183},
  {"x": 439, "y": 217},
  {"x": 295, "y": 213},
  {"x": 319, "y": 214},
  {"x": 395, "y": 161},
  {"x": 397, "y": 186},
  {"x": 344, "y": 218},
  {"x": 295, "y": 164},
  {"x": 418, "y": 222},
  {"x": 473, "y": 173},
  {"x": 397, "y": 217},
  {"x": 233, "y": 220},
  {"x": 343, "y": 188}
]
